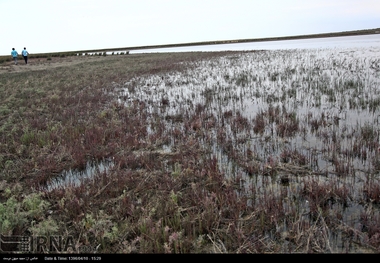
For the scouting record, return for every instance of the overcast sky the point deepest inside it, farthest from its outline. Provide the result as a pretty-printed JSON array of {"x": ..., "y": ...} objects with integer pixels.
[{"x": 69, "y": 25}]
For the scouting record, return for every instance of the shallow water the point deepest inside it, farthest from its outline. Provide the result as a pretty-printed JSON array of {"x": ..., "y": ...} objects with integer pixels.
[
  {"x": 315, "y": 43},
  {"x": 214, "y": 84},
  {"x": 339, "y": 87},
  {"x": 333, "y": 94},
  {"x": 74, "y": 177}
]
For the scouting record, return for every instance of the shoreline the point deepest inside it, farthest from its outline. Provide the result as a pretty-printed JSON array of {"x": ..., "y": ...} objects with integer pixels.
[
  {"x": 217, "y": 42},
  {"x": 310, "y": 36}
]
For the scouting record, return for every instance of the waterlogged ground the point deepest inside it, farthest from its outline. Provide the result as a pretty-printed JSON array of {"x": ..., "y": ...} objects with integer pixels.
[
  {"x": 241, "y": 152},
  {"x": 299, "y": 125}
]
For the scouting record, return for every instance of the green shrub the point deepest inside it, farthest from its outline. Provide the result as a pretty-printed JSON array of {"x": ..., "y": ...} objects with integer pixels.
[
  {"x": 28, "y": 137},
  {"x": 11, "y": 215},
  {"x": 4, "y": 110},
  {"x": 35, "y": 205},
  {"x": 46, "y": 227},
  {"x": 15, "y": 214}
]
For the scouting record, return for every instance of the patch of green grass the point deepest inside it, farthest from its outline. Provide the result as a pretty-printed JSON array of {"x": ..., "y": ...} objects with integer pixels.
[{"x": 16, "y": 215}]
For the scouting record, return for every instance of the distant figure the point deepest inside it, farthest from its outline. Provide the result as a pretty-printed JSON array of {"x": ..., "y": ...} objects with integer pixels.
[
  {"x": 14, "y": 55},
  {"x": 25, "y": 55}
]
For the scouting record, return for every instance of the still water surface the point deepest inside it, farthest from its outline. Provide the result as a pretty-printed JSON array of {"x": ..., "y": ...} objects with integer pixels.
[
  {"x": 312, "y": 43},
  {"x": 336, "y": 78},
  {"x": 368, "y": 43}
]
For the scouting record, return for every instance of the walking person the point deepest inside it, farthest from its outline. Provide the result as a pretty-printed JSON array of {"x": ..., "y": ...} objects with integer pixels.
[
  {"x": 25, "y": 55},
  {"x": 14, "y": 55}
]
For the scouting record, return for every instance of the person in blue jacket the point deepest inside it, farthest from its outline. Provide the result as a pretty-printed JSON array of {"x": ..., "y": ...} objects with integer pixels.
[
  {"x": 25, "y": 54},
  {"x": 14, "y": 55}
]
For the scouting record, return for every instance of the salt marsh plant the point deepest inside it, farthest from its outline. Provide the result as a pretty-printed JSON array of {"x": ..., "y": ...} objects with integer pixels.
[
  {"x": 242, "y": 152},
  {"x": 287, "y": 114}
]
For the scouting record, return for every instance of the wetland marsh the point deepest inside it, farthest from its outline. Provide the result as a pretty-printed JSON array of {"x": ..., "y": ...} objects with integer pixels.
[{"x": 268, "y": 151}]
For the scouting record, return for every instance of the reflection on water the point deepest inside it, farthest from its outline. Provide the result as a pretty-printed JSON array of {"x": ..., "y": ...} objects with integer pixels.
[
  {"x": 328, "y": 90},
  {"x": 330, "y": 93},
  {"x": 74, "y": 177}
]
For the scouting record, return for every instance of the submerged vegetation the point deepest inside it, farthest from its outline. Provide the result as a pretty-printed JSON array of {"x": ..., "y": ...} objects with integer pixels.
[{"x": 200, "y": 152}]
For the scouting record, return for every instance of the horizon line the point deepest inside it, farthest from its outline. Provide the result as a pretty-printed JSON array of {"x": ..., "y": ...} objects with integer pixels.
[{"x": 216, "y": 42}]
